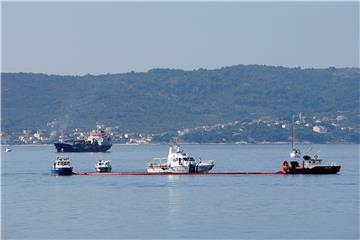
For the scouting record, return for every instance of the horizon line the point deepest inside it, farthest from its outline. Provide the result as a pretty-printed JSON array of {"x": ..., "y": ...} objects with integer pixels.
[{"x": 181, "y": 69}]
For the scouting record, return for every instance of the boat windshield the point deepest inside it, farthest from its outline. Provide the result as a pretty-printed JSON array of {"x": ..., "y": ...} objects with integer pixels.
[
  {"x": 316, "y": 161},
  {"x": 191, "y": 159},
  {"x": 62, "y": 163},
  {"x": 313, "y": 161}
]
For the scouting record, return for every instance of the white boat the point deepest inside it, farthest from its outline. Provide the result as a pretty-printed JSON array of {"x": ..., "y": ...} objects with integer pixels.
[
  {"x": 7, "y": 149},
  {"x": 295, "y": 153},
  {"x": 179, "y": 162},
  {"x": 103, "y": 166}
]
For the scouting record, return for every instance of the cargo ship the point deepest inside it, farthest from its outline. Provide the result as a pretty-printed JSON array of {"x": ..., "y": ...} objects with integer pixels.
[{"x": 98, "y": 141}]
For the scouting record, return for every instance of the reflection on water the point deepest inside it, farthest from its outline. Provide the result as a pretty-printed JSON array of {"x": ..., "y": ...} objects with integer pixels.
[{"x": 174, "y": 197}]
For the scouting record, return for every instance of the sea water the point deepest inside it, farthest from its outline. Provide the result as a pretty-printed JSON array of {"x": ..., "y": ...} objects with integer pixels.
[{"x": 36, "y": 204}]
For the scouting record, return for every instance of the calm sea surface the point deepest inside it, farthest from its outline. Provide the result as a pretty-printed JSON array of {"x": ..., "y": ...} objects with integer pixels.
[{"x": 37, "y": 205}]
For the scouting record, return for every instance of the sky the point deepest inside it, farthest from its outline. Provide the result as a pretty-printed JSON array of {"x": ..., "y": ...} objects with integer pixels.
[{"x": 79, "y": 38}]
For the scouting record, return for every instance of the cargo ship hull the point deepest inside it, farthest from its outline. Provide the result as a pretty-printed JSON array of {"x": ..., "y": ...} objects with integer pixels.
[{"x": 66, "y": 147}]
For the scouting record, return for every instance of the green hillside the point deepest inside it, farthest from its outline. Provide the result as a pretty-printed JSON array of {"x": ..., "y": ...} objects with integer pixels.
[{"x": 166, "y": 99}]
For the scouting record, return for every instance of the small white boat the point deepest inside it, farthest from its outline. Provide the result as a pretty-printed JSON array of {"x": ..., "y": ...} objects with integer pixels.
[
  {"x": 103, "y": 166},
  {"x": 295, "y": 153},
  {"x": 179, "y": 162},
  {"x": 7, "y": 149}
]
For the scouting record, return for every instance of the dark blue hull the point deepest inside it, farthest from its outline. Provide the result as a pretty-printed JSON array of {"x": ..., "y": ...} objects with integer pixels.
[
  {"x": 315, "y": 170},
  {"x": 62, "y": 171},
  {"x": 66, "y": 147}
]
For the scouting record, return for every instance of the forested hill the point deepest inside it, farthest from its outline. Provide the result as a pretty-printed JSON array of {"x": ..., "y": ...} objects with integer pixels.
[{"x": 168, "y": 99}]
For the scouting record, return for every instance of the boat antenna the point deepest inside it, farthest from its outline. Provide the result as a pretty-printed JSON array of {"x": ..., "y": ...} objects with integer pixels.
[
  {"x": 308, "y": 151},
  {"x": 174, "y": 141},
  {"x": 292, "y": 133},
  {"x": 62, "y": 152}
]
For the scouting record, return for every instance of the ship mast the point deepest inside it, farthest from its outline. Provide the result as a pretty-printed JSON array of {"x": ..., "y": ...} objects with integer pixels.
[
  {"x": 295, "y": 153},
  {"x": 292, "y": 133}
]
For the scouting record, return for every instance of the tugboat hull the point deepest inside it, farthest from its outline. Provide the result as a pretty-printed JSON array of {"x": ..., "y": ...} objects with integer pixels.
[
  {"x": 62, "y": 171},
  {"x": 314, "y": 170},
  {"x": 66, "y": 147}
]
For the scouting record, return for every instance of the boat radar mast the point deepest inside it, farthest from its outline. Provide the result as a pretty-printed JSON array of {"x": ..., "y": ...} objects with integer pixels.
[{"x": 295, "y": 152}]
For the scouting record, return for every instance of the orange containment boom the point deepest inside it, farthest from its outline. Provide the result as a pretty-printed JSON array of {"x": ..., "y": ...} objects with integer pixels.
[{"x": 168, "y": 173}]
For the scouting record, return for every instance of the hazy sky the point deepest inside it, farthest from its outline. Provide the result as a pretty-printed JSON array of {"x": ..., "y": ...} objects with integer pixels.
[{"x": 112, "y": 37}]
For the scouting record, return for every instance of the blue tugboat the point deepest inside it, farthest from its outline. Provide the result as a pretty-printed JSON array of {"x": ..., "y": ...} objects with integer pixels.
[
  {"x": 98, "y": 141},
  {"x": 62, "y": 166}
]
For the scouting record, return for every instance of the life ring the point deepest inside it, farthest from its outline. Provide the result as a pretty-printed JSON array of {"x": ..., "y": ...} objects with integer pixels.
[{"x": 285, "y": 167}]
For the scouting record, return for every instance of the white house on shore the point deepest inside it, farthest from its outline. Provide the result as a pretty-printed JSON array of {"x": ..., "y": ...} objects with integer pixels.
[{"x": 319, "y": 129}]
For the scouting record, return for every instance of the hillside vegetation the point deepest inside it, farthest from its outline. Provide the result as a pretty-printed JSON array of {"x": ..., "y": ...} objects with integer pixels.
[{"x": 170, "y": 99}]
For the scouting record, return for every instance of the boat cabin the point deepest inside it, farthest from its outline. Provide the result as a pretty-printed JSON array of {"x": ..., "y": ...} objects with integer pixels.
[
  {"x": 311, "y": 162},
  {"x": 179, "y": 157},
  {"x": 103, "y": 163},
  {"x": 62, "y": 158},
  {"x": 183, "y": 160},
  {"x": 62, "y": 162}
]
